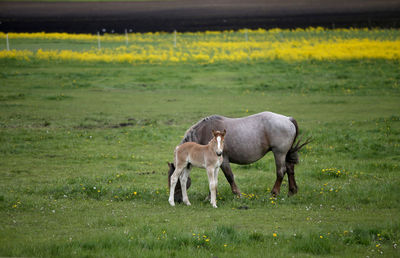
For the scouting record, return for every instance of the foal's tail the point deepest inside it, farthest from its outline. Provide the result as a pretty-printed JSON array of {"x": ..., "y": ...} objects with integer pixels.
[{"x": 292, "y": 156}]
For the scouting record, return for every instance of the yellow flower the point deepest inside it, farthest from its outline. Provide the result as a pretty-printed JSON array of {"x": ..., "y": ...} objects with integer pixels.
[
  {"x": 225, "y": 245},
  {"x": 274, "y": 235},
  {"x": 321, "y": 237},
  {"x": 134, "y": 193}
]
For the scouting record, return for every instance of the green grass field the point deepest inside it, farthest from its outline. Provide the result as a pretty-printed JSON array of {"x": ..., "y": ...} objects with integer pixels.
[{"x": 76, "y": 182}]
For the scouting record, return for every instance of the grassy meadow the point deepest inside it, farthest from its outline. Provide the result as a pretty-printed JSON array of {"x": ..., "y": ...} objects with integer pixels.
[{"x": 84, "y": 149}]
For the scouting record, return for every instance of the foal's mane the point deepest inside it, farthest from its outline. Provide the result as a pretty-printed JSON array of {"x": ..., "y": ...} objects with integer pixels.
[{"x": 191, "y": 133}]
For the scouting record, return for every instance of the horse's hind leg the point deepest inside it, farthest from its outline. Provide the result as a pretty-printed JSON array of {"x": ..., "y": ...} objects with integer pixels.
[
  {"x": 183, "y": 179},
  {"x": 280, "y": 172},
  {"x": 226, "y": 168},
  {"x": 291, "y": 179}
]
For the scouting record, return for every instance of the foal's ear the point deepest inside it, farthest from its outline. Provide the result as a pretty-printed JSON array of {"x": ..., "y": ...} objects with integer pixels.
[
  {"x": 213, "y": 132},
  {"x": 223, "y": 134}
]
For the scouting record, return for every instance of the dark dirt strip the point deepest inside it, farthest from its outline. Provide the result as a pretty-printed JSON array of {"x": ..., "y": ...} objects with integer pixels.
[{"x": 194, "y": 15}]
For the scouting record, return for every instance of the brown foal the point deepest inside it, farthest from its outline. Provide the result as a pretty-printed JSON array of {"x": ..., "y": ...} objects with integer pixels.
[{"x": 204, "y": 156}]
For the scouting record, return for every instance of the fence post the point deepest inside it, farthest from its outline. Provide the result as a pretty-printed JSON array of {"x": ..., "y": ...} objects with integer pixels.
[
  {"x": 174, "y": 38},
  {"x": 98, "y": 40},
  {"x": 126, "y": 36},
  {"x": 8, "y": 44}
]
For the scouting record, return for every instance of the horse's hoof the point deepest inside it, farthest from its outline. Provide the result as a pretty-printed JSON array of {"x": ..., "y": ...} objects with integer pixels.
[
  {"x": 178, "y": 199},
  {"x": 236, "y": 192},
  {"x": 215, "y": 206},
  {"x": 292, "y": 192},
  {"x": 188, "y": 203},
  {"x": 274, "y": 194},
  {"x": 172, "y": 203}
]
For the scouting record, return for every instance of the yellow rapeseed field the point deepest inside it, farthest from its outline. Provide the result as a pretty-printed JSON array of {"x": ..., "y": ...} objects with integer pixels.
[{"x": 215, "y": 46}]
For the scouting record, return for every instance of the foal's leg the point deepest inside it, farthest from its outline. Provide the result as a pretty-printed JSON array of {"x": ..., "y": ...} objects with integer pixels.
[
  {"x": 183, "y": 179},
  {"x": 213, "y": 187},
  {"x": 226, "y": 168},
  {"x": 216, "y": 170},
  {"x": 174, "y": 180},
  {"x": 280, "y": 172}
]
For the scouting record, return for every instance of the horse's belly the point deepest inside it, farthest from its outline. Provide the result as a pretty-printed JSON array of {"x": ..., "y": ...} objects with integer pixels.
[{"x": 244, "y": 157}]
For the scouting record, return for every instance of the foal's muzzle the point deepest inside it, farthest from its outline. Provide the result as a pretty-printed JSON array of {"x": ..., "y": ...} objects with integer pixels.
[{"x": 219, "y": 153}]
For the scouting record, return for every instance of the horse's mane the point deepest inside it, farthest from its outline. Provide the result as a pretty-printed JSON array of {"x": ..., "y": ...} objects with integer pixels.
[{"x": 191, "y": 133}]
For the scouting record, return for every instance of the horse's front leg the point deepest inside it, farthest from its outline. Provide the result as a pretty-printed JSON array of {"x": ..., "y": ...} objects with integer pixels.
[
  {"x": 226, "y": 168},
  {"x": 183, "y": 179},
  {"x": 213, "y": 186}
]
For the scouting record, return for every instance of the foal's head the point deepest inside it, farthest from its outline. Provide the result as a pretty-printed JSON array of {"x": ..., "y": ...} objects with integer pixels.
[{"x": 219, "y": 141}]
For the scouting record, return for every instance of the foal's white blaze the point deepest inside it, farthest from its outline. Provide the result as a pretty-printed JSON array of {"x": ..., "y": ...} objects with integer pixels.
[{"x": 219, "y": 143}]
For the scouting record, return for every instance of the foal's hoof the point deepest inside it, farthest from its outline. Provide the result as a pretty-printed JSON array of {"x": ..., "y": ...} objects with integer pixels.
[
  {"x": 214, "y": 206},
  {"x": 187, "y": 203},
  {"x": 172, "y": 203}
]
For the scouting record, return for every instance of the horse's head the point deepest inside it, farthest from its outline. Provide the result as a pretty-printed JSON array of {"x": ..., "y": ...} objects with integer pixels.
[
  {"x": 178, "y": 189},
  {"x": 219, "y": 141}
]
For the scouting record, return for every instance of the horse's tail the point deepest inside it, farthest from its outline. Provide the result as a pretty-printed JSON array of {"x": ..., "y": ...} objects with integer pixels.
[{"x": 292, "y": 156}]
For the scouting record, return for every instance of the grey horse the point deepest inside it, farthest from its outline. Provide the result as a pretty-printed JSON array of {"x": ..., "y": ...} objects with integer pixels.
[{"x": 247, "y": 140}]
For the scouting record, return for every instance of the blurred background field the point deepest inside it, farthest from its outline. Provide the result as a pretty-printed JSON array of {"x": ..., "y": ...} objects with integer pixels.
[
  {"x": 206, "y": 47},
  {"x": 84, "y": 146}
]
